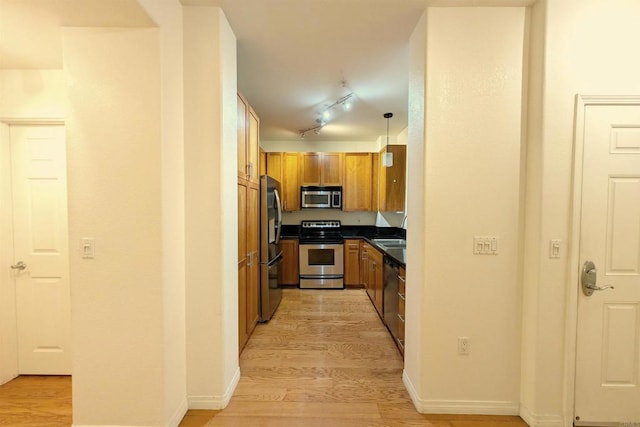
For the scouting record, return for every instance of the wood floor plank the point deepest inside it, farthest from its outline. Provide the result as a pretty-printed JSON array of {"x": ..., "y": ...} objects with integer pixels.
[
  {"x": 30, "y": 401},
  {"x": 326, "y": 359}
]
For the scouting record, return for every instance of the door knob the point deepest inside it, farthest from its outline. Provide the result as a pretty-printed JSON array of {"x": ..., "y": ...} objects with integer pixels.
[
  {"x": 19, "y": 266},
  {"x": 589, "y": 278}
]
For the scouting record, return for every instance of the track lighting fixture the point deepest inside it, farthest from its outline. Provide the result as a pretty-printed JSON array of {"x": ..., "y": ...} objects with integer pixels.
[{"x": 329, "y": 112}]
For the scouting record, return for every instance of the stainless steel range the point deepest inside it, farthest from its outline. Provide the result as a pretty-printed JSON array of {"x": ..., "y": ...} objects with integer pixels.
[{"x": 321, "y": 255}]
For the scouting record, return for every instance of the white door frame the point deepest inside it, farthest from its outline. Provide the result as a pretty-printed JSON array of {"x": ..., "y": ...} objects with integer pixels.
[
  {"x": 572, "y": 288},
  {"x": 24, "y": 122}
]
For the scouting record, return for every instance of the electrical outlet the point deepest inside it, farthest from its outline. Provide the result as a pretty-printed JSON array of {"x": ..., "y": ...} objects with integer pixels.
[{"x": 463, "y": 346}]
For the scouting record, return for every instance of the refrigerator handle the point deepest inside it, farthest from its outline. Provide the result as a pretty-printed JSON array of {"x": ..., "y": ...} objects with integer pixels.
[{"x": 279, "y": 210}]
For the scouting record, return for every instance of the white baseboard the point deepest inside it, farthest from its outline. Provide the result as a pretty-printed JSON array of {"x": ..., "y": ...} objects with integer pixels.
[
  {"x": 173, "y": 422},
  {"x": 193, "y": 402},
  {"x": 475, "y": 407},
  {"x": 179, "y": 414},
  {"x": 536, "y": 420},
  {"x": 215, "y": 402}
]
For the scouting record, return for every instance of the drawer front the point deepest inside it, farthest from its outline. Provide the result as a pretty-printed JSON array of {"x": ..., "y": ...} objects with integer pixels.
[{"x": 401, "y": 285}]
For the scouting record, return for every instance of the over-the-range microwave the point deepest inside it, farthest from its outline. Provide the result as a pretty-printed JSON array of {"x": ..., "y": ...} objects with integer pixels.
[{"x": 320, "y": 197}]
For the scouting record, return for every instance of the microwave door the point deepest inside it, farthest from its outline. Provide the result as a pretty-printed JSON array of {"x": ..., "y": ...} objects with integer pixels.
[
  {"x": 336, "y": 200},
  {"x": 316, "y": 199}
]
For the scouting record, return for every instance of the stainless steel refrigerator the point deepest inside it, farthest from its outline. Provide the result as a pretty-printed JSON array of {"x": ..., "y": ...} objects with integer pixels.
[{"x": 270, "y": 250}]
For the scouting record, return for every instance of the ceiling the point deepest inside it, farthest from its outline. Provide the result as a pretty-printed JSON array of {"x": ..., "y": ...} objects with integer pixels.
[{"x": 295, "y": 57}]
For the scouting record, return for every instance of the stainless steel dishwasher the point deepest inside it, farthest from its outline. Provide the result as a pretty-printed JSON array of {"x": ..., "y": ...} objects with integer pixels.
[{"x": 390, "y": 305}]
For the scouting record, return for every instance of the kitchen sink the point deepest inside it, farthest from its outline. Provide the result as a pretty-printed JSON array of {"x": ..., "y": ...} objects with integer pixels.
[{"x": 390, "y": 243}]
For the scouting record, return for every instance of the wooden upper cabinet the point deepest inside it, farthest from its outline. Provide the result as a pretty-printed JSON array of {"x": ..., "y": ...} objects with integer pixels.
[
  {"x": 243, "y": 109},
  {"x": 321, "y": 168},
  {"x": 311, "y": 168},
  {"x": 263, "y": 162},
  {"x": 290, "y": 182},
  {"x": 285, "y": 168},
  {"x": 392, "y": 180},
  {"x": 253, "y": 146},
  {"x": 274, "y": 166},
  {"x": 357, "y": 182},
  {"x": 331, "y": 170},
  {"x": 248, "y": 142}
]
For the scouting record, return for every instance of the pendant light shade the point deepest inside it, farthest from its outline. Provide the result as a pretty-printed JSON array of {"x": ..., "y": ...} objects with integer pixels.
[{"x": 387, "y": 158}]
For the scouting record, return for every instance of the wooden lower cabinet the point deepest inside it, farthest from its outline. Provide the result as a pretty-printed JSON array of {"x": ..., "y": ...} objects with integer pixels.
[
  {"x": 364, "y": 264},
  {"x": 372, "y": 270},
  {"x": 289, "y": 271},
  {"x": 376, "y": 278},
  {"x": 352, "y": 262},
  {"x": 248, "y": 259},
  {"x": 243, "y": 261}
]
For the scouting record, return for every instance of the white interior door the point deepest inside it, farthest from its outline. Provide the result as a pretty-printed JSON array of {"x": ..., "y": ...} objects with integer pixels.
[
  {"x": 608, "y": 341},
  {"x": 43, "y": 300}
]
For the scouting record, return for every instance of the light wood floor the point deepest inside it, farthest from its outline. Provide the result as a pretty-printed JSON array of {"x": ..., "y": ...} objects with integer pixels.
[
  {"x": 325, "y": 359},
  {"x": 36, "y": 401}
]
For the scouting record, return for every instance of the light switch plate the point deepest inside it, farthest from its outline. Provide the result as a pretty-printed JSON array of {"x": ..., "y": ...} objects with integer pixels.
[
  {"x": 88, "y": 248},
  {"x": 485, "y": 245},
  {"x": 555, "y": 248}
]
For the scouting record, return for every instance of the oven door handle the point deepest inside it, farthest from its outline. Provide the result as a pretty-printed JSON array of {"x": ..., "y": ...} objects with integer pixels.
[{"x": 279, "y": 210}]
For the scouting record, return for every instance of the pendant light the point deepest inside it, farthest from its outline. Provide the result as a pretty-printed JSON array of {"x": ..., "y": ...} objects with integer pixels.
[{"x": 387, "y": 158}]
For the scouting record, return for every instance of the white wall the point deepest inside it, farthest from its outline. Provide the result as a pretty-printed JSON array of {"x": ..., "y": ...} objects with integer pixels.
[
  {"x": 530, "y": 386},
  {"x": 308, "y": 145},
  {"x": 320, "y": 146},
  {"x": 472, "y": 185},
  {"x": 114, "y": 174},
  {"x": 32, "y": 94},
  {"x": 210, "y": 207},
  {"x": 168, "y": 15},
  {"x": 346, "y": 218},
  {"x": 589, "y": 48},
  {"x": 415, "y": 324}
]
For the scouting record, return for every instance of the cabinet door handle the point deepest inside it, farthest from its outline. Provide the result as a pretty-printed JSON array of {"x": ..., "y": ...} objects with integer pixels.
[
  {"x": 400, "y": 317},
  {"x": 402, "y": 278},
  {"x": 401, "y": 296}
]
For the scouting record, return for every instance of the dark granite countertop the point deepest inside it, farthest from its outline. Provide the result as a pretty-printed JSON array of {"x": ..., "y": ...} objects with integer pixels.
[{"x": 366, "y": 232}]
